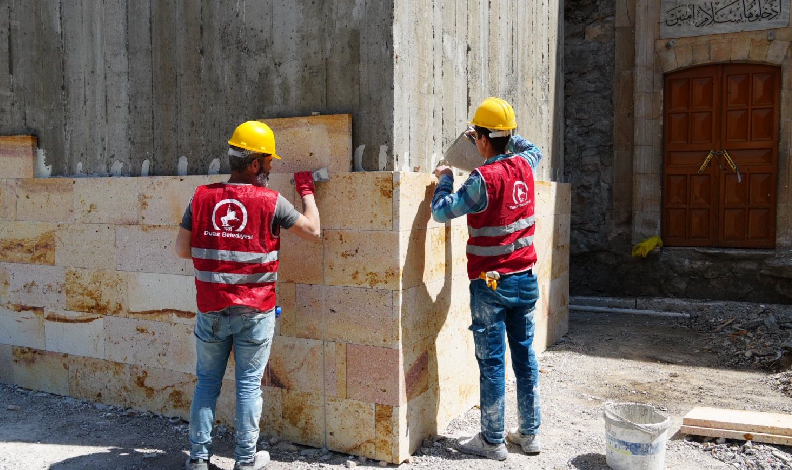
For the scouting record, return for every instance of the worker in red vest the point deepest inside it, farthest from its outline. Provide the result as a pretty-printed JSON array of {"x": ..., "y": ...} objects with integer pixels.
[
  {"x": 498, "y": 199},
  {"x": 231, "y": 231}
]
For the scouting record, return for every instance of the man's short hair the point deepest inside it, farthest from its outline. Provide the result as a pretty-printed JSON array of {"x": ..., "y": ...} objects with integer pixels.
[
  {"x": 240, "y": 164},
  {"x": 498, "y": 143}
]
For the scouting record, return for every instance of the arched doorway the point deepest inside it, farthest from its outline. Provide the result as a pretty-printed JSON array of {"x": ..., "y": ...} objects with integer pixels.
[{"x": 720, "y": 156}]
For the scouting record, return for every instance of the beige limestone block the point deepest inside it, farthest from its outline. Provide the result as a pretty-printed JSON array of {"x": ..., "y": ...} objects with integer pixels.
[
  {"x": 545, "y": 195},
  {"x": 701, "y": 52},
  {"x": 160, "y": 390},
  {"x": 181, "y": 349},
  {"x": 309, "y": 143},
  {"x": 741, "y": 49},
  {"x": 412, "y": 199},
  {"x": 271, "y": 411},
  {"x": 351, "y": 427},
  {"x": 86, "y": 246},
  {"x": 27, "y": 242},
  {"x": 777, "y": 52},
  {"x": 361, "y": 259},
  {"x": 560, "y": 261},
  {"x": 563, "y": 231},
  {"x": 18, "y": 156},
  {"x": 720, "y": 50},
  {"x": 6, "y": 364},
  {"x": 759, "y": 48},
  {"x": 102, "y": 292},
  {"x": 386, "y": 428},
  {"x": 283, "y": 184},
  {"x": 361, "y": 316},
  {"x": 225, "y": 411},
  {"x": 139, "y": 342},
  {"x": 356, "y": 201},
  {"x": 373, "y": 374},
  {"x": 667, "y": 59},
  {"x": 162, "y": 297},
  {"x": 300, "y": 260},
  {"x": 107, "y": 200},
  {"x": 22, "y": 326},
  {"x": 456, "y": 381},
  {"x": 41, "y": 370},
  {"x": 309, "y": 315},
  {"x": 426, "y": 308},
  {"x": 335, "y": 369},
  {"x": 37, "y": 286},
  {"x": 74, "y": 333},
  {"x": 163, "y": 199},
  {"x": 296, "y": 364},
  {"x": 45, "y": 200},
  {"x": 286, "y": 295},
  {"x": 684, "y": 55},
  {"x": 8, "y": 200},
  {"x": 421, "y": 419},
  {"x": 415, "y": 373},
  {"x": 149, "y": 249},
  {"x": 99, "y": 380},
  {"x": 303, "y": 419},
  {"x": 425, "y": 256}
]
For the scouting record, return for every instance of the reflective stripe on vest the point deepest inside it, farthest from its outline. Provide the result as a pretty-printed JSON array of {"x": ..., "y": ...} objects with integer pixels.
[
  {"x": 237, "y": 256},
  {"x": 521, "y": 224},
  {"x": 500, "y": 249},
  {"x": 229, "y": 278}
]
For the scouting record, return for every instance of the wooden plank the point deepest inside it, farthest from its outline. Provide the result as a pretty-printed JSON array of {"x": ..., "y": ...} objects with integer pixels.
[
  {"x": 740, "y": 435},
  {"x": 740, "y": 420}
]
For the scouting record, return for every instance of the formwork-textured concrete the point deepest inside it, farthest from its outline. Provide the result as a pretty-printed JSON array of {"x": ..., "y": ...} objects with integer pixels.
[
  {"x": 371, "y": 353},
  {"x": 113, "y": 88}
]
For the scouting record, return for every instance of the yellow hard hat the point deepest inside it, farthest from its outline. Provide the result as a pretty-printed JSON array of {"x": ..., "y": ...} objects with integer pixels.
[
  {"x": 495, "y": 113},
  {"x": 254, "y": 136}
]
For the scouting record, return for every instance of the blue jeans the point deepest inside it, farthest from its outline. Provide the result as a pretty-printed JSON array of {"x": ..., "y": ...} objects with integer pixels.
[
  {"x": 250, "y": 332},
  {"x": 497, "y": 314}
]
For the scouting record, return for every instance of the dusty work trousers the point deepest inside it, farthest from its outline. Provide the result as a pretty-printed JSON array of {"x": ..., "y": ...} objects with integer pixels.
[
  {"x": 250, "y": 332},
  {"x": 507, "y": 312}
]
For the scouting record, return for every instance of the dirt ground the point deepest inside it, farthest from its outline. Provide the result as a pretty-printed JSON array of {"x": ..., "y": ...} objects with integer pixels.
[{"x": 605, "y": 357}]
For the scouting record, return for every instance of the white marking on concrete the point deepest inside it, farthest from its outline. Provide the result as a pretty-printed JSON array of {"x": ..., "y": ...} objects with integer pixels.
[
  {"x": 144, "y": 168},
  {"x": 357, "y": 161},
  {"x": 42, "y": 170},
  {"x": 406, "y": 163},
  {"x": 182, "y": 168},
  {"x": 383, "y": 157},
  {"x": 115, "y": 169},
  {"x": 214, "y": 167},
  {"x": 79, "y": 168}
]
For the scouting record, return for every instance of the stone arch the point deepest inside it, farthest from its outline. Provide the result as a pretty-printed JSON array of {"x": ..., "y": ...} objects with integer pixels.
[{"x": 678, "y": 54}]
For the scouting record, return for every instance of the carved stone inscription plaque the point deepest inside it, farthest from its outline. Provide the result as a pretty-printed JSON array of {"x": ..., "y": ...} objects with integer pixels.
[{"x": 682, "y": 18}]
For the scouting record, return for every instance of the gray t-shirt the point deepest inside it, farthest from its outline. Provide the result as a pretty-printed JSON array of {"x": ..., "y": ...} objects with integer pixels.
[{"x": 285, "y": 215}]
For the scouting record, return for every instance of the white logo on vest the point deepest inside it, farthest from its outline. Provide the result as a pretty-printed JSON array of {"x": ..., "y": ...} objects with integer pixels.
[
  {"x": 520, "y": 194},
  {"x": 232, "y": 215}
]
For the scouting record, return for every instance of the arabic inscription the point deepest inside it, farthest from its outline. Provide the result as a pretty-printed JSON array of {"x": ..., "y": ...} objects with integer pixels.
[{"x": 698, "y": 17}]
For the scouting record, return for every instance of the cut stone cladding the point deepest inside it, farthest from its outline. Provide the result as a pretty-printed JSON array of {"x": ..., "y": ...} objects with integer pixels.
[{"x": 371, "y": 355}]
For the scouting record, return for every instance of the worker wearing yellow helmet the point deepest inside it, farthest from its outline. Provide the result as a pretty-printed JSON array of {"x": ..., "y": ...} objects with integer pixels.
[
  {"x": 231, "y": 231},
  {"x": 498, "y": 200}
]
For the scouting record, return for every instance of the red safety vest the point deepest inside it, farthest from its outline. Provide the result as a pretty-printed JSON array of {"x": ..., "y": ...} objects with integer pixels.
[
  {"x": 501, "y": 235},
  {"x": 235, "y": 254}
]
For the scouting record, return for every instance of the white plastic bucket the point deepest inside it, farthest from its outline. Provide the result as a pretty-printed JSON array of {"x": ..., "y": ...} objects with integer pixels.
[{"x": 635, "y": 436}]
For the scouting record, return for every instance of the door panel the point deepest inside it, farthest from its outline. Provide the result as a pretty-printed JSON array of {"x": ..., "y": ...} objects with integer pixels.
[{"x": 716, "y": 108}]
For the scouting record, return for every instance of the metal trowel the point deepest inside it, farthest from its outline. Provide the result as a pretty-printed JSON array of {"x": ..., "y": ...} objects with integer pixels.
[
  {"x": 462, "y": 155},
  {"x": 319, "y": 175}
]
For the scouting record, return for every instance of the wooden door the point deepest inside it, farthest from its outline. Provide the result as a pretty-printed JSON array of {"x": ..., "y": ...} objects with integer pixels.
[{"x": 731, "y": 111}]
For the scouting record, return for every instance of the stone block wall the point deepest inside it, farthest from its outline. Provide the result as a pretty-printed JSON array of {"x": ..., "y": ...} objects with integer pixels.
[{"x": 372, "y": 352}]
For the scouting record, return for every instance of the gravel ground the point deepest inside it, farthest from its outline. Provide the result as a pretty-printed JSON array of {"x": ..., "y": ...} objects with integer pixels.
[{"x": 671, "y": 364}]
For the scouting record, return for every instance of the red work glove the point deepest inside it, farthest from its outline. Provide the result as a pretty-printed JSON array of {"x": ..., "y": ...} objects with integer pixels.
[{"x": 304, "y": 183}]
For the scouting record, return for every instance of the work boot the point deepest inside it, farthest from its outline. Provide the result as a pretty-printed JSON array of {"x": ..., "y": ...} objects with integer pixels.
[
  {"x": 260, "y": 461},
  {"x": 196, "y": 464},
  {"x": 529, "y": 442},
  {"x": 478, "y": 445}
]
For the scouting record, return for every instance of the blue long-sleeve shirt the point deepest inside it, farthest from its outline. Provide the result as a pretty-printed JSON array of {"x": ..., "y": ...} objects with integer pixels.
[{"x": 472, "y": 196}]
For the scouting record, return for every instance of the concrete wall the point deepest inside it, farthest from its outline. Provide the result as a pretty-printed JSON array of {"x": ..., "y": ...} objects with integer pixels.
[
  {"x": 372, "y": 352},
  {"x": 451, "y": 54},
  {"x": 129, "y": 88}
]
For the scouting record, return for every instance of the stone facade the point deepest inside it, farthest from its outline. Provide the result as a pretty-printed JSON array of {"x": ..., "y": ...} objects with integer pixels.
[
  {"x": 601, "y": 263},
  {"x": 372, "y": 352}
]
